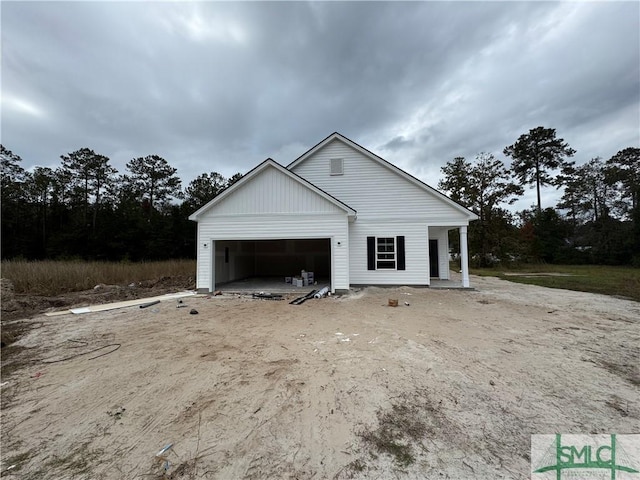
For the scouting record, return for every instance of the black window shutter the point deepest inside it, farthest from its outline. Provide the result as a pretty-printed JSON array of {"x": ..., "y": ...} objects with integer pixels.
[
  {"x": 371, "y": 253},
  {"x": 400, "y": 248}
]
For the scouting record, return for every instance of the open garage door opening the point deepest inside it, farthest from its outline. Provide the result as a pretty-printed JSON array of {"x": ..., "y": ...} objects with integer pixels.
[{"x": 246, "y": 265}]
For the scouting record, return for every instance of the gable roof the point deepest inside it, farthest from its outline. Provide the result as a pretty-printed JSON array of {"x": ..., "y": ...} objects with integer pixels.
[
  {"x": 270, "y": 163},
  {"x": 341, "y": 138}
]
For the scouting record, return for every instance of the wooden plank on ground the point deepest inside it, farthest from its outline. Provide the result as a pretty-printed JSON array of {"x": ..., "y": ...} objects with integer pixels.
[{"x": 126, "y": 303}]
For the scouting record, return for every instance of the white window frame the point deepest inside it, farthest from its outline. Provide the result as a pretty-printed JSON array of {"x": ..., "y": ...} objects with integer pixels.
[
  {"x": 387, "y": 255},
  {"x": 336, "y": 166}
]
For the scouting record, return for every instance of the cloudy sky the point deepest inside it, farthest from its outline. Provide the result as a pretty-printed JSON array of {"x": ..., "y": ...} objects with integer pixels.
[{"x": 215, "y": 86}]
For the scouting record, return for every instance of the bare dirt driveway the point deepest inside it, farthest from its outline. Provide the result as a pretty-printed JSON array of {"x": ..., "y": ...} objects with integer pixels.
[{"x": 450, "y": 386}]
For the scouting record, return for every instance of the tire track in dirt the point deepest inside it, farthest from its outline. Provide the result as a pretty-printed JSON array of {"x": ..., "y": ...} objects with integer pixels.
[{"x": 246, "y": 388}]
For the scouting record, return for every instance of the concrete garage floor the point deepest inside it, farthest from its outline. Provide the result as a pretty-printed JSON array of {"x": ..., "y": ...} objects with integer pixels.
[
  {"x": 277, "y": 285},
  {"x": 269, "y": 285}
]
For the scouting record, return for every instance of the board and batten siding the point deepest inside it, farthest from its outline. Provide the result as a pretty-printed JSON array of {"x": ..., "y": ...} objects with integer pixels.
[
  {"x": 375, "y": 191},
  {"x": 273, "y": 192},
  {"x": 273, "y": 206}
]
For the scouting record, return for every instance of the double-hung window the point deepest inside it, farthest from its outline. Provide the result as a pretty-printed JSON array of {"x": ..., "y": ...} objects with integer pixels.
[{"x": 385, "y": 253}]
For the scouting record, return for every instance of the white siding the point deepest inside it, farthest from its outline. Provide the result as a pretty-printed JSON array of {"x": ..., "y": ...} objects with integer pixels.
[
  {"x": 271, "y": 191},
  {"x": 416, "y": 254},
  {"x": 213, "y": 227},
  {"x": 273, "y": 206},
  {"x": 377, "y": 192}
]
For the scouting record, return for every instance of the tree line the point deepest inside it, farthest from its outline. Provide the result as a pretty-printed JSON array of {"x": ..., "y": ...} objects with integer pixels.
[
  {"x": 86, "y": 209},
  {"x": 597, "y": 219}
]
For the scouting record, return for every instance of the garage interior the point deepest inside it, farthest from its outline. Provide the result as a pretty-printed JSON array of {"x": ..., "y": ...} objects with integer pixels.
[{"x": 262, "y": 265}]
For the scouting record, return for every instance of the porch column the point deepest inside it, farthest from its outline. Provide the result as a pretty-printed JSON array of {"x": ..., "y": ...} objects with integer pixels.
[
  {"x": 464, "y": 257},
  {"x": 212, "y": 247}
]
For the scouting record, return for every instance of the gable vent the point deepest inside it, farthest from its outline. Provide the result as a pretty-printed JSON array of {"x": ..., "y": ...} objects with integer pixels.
[{"x": 337, "y": 166}]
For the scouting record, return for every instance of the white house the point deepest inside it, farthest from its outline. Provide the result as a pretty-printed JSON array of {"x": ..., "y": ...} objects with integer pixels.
[{"x": 338, "y": 210}]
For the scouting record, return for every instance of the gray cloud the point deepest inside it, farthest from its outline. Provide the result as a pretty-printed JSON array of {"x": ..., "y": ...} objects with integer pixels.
[{"x": 221, "y": 86}]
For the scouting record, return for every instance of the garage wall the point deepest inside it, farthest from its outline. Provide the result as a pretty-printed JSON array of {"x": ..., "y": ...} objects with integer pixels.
[
  {"x": 213, "y": 228},
  {"x": 240, "y": 264},
  {"x": 288, "y": 257}
]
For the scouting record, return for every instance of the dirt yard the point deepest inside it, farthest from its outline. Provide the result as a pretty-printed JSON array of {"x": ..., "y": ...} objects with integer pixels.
[{"x": 451, "y": 385}]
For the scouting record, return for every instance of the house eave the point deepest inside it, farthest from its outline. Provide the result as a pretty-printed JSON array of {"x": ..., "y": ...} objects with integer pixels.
[{"x": 350, "y": 212}]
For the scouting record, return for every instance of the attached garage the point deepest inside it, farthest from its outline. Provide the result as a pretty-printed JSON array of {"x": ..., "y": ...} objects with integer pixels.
[
  {"x": 272, "y": 223},
  {"x": 241, "y": 259},
  {"x": 277, "y": 221}
]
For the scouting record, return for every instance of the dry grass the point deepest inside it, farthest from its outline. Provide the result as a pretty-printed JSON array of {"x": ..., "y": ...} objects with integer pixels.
[
  {"x": 55, "y": 277},
  {"x": 411, "y": 419}
]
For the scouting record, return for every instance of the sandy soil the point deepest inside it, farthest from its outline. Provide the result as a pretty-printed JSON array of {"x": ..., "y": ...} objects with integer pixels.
[{"x": 450, "y": 386}]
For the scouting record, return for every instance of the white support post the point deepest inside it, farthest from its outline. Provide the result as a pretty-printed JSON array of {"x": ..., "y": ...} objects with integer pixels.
[
  {"x": 464, "y": 257},
  {"x": 212, "y": 283}
]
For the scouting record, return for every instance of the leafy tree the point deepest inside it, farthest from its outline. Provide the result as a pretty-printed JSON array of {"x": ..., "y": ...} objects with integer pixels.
[
  {"x": 234, "y": 178},
  {"x": 145, "y": 200},
  {"x": 624, "y": 169},
  {"x": 586, "y": 195},
  {"x": 153, "y": 180},
  {"x": 41, "y": 190},
  {"x": 456, "y": 180},
  {"x": 491, "y": 184},
  {"x": 482, "y": 186},
  {"x": 90, "y": 174},
  {"x": 547, "y": 234},
  {"x": 12, "y": 175},
  {"x": 16, "y": 237},
  {"x": 203, "y": 189},
  {"x": 535, "y": 155}
]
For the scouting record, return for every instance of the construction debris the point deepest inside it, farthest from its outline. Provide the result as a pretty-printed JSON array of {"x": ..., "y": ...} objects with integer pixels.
[
  {"x": 303, "y": 280},
  {"x": 304, "y": 298},
  {"x": 126, "y": 303},
  {"x": 148, "y": 304},
  {"x": 322, "y": 292},
  {"x": 267, "y": 296},
  {"x": 162, "y": 457}
]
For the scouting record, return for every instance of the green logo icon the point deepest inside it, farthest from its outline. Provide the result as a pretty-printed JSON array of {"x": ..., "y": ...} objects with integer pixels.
[{"x": 585, "y": 455}]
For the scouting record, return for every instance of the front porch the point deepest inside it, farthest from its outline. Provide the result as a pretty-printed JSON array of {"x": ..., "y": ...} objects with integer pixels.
[
  {"x": 440, "y": 274},
  {"x": 454, "y": 282}
]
